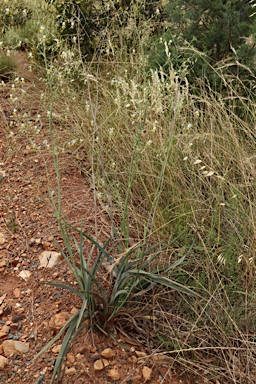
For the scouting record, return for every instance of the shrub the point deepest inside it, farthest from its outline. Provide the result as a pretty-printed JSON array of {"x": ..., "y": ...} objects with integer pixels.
[
  {"x": 201, "y": 34},
  {"x": 13, "y": 13},
  {"x": 101, "y": 26}
]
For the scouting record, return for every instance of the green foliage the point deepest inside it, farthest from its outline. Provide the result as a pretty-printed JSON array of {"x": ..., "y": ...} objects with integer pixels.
[
  {"x": 101, "y": 25},
  {"x": 203, "y": 33},
  {"x": 212, "y": 27},
  {"x": 13, "y": 13},
  {"x": 131, "y": 275}
]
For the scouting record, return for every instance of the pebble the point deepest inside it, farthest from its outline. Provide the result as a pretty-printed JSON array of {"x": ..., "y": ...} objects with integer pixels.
[
  {"x": 4, "y": 330},
  {"x": 108, "y": 353},
  {"x": 70, "y": 371},
  {"x": 71, "y": 358},
  {"x": 48, "y": 259},
  {"x": 13, "y": 346},
  {"x": 17, "y": 293},
  {"x": 146, "y": 373},
  {"x": 2, "y": 238},
  {"x": 25, "y": 274},
  {"x": 100, "y": 364},
  {"x": 59, "y": 320},
  {"x": 113, "y": 374},
  {"x": 3, "y": 362},
  {"x": 56, "y": 348}
]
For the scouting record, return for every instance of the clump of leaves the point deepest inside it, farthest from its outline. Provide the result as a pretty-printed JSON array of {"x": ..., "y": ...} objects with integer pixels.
[
  {"x": 131, "y": 274},
  {"x": 13, "y": 13}
]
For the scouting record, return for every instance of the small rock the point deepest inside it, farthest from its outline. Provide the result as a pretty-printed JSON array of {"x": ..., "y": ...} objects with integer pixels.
[
  {"x": 4, "y": 259},
  {"x": 113, "y": 374},
  {"x": 48, "y": 259},
  {"x": 46, "y": 244},
  {"x": 70, "y": 371},
  {"x": 2, "y": 238},
  {"x": 3, "y": 331},
  {"x": 25, "y": 274},
  {"x": 100, "y": 364},
  {"x": 73, "y": 310},
  {"x": 108, "y": 353},
  {"x": 134, "y": 359},
  {"x": 14, "y": 346},
  {"x": 59, "y": 320},
  {"x": 146, "y": 373},
  {"x": 56, "y": 348},
  {"x": 3, "y": 362},
  {"x": 17, "y": 293},
  {"x": 71, "y": 358}
]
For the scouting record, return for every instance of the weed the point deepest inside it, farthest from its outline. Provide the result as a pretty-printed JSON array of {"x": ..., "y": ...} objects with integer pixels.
[{"x": 131, "y": 275}]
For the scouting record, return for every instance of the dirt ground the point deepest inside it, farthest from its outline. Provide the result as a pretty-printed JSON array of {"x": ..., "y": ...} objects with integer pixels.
[{"x": 27, "y": 228}]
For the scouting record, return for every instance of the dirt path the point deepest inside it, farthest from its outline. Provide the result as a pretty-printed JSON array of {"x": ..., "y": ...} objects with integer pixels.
[{"x": 28, "y": 308}]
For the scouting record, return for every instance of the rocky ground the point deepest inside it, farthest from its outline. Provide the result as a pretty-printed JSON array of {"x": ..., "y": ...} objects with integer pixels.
[{"x": 31, "y": 312}]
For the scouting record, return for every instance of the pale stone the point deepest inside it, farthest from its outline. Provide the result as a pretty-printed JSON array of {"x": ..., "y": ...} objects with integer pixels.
[
  {"x": 113, "y": 374},
  {"x": 56, "y": 348},
  {"x": 100, "y": 364},
  {"x": 17, "y": 293},
  {"x": 46, "y": 244},
  {"x": 108, "y": 353},
  {"x": 48, "y": 259},
  {"x": 146, "y": 373},
  {"x": 25, "y": 274},
  {"x": 2, "y": 238},
  {"x": 13, "y": 346},
  {"x": 71, "y": 358},
  {"x": 3, "y": 362},
  {"x": 4, "y": 259},
  {"x": 70, "y": 371},
  {"x": 4, "y": 330},
  {"x": 59, "y": 320},
  {"x": 73, "y": 310},
  {"x": 3, "y": 263}
]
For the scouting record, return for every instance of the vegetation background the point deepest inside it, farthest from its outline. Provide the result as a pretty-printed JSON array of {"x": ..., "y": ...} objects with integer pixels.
[{"x": 156, "y": 101}]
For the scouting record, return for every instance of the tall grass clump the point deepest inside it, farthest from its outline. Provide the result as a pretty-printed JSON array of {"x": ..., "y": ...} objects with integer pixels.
[{"x": 167, "y": 160}]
